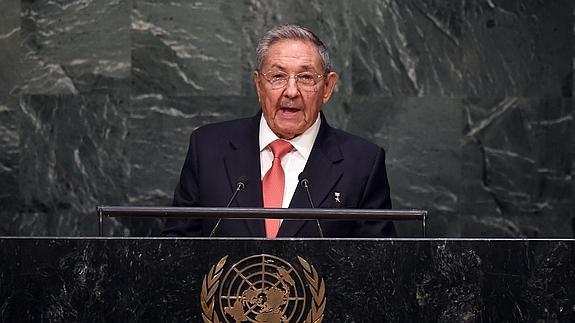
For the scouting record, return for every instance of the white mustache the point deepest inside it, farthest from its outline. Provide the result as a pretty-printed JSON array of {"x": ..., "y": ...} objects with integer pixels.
[{"x": 289, "y": 104}]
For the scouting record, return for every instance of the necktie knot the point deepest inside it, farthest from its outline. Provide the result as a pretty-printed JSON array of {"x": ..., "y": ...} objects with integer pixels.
[{"x": 280, "y": 148}]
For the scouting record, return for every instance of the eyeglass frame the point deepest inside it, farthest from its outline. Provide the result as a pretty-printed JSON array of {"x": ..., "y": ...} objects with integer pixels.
[{"x": 317, "y": 78}]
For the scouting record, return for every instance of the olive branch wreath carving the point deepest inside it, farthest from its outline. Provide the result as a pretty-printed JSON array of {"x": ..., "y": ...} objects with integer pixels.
[
  {"x": 317, "y": 289},
  {"x": 211, "y": 283}
]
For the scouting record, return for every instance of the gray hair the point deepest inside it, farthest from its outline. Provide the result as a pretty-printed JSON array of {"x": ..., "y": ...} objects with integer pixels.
[{"x": 293, "y": 32}]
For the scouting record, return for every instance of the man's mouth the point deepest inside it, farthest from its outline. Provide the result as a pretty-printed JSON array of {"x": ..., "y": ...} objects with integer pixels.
[{"x": 289, "y": 110}]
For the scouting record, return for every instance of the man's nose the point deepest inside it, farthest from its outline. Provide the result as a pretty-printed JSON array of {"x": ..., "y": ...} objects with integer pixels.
[{"x": 291, "y": 90}]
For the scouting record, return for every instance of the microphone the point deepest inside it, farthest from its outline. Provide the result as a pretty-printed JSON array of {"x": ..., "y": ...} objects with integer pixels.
[
  {"x": 240, "y": 186},
  {"x": 304, "y": 181}
]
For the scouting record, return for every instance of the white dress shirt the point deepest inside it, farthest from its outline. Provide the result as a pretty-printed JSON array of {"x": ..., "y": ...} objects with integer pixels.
[{"x": 293, "y": 162}]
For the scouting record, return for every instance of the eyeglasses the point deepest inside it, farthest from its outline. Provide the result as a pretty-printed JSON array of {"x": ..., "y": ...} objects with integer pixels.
[{"x": 305, "y": 80}]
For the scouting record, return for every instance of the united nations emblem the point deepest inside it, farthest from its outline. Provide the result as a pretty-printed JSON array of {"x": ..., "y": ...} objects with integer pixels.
[{"x": 262, "y": 289}]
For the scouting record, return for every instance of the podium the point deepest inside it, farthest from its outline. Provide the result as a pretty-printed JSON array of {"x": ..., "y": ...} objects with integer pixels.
[
  {"x": 159, "y": 279},
  {"x": 353, "y": 280}
]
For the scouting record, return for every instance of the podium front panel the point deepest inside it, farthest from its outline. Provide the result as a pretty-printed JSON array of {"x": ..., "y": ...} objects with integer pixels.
[{"x": 258, "y": 280}]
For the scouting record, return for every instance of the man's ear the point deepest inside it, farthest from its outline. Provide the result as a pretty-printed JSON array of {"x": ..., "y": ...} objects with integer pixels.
[
  {"x": 256, "y": 82},
  {"x": 330, "y": 80}
]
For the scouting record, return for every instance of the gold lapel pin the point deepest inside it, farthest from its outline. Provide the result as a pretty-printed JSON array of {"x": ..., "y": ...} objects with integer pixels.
[{"x": 337, "y": 196}]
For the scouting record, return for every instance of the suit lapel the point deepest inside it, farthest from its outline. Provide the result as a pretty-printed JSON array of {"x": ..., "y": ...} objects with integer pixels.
[
  {"x": 243, "y": 159},
  {"x": 323, "y": 169}
]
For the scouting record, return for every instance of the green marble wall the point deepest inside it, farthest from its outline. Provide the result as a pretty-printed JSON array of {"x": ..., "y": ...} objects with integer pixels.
[{"x": 472, "y": 101}]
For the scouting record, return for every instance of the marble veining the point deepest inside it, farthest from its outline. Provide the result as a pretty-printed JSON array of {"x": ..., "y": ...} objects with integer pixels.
[
  {"x": 10, "y": 29},
  {"x": 518, "y": 163},
  {"x": 75, "y": 47}
]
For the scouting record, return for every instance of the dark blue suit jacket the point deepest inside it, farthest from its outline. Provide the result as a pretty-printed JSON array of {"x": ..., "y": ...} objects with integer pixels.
[{"x": 221, "y": 153}]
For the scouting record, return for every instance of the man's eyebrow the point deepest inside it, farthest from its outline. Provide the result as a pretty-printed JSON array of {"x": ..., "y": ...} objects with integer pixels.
[
  {"x": 307, "y": 67},
  {"x": 278, "y": 66}
]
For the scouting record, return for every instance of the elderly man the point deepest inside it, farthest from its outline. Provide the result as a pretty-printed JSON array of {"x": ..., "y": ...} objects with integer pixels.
[{"x": 290, "y": 136}]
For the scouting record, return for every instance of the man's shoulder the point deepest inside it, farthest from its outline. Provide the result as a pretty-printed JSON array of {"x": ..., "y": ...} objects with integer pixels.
[{"x": 354, "y": 143}]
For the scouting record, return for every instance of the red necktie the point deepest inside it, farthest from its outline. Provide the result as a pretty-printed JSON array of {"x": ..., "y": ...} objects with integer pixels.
[{"x": 273, "y": 184}]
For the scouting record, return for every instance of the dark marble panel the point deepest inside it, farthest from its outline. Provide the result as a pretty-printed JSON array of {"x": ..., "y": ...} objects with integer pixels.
[
  {"x": 518, "y": 48},
  {"x": 75, "y": 47},
  {"x": 422, "y": 141},
  {"x": 9, "y": 156},
  {"x": 407, "y": 48},
  {"x": 462, "y": 48},
  {"x": 366, "y": 280},
  {"x": 573, "y": 131},
  {"x": 518, "y": 167},
  {"x": 186, "y": 48},
  {"x": 9, "y": 45},
  {"x": 72, "y": 158}
]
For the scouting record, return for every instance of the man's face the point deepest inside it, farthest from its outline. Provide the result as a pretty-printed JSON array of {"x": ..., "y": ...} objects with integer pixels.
[{"x": 289, "y": 111}]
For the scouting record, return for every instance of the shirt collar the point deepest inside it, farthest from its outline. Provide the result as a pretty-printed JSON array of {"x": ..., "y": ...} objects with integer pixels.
[{"x": 302, "y": 143}]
